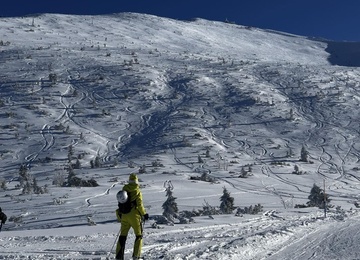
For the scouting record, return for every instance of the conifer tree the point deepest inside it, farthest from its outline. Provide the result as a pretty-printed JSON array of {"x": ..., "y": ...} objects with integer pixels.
[
  {"x": 24, "y": 175},
  {"x": 317, "y": 197},
  {"x": 227, "y": 202},
  {"x": 304, "y": 154},
  {"x": 97, "y": 162},
  {"x": 170, "y": 206},
  {"x": 70, "y": 153}
]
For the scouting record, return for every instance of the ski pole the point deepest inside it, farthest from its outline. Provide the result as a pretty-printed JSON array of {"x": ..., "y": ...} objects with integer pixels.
[
  {"x": 108, "y": 256},
  {"x": 143, "y": 224}
]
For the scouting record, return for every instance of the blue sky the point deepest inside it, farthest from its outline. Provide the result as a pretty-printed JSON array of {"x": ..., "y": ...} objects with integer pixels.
[{"x": 330, "y": 19}]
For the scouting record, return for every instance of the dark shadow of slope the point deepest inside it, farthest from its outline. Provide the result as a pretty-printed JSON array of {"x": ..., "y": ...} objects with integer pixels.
[{"x": 344, "y": 53}]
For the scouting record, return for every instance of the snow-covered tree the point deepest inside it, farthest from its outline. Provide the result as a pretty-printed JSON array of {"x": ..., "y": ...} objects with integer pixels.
[
  {"x": 227, "y": 202},
  {"x": 70, "y": 153},
  {"x": 24, "y": 178},
  {"x": 170, "y": 206},
  {"x": 317, "y": 197},
  {"x": 304, "y": 154}
]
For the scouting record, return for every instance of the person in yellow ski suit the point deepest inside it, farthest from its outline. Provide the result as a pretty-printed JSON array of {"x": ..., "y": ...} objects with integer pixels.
[{"x": 133, "y": 219}]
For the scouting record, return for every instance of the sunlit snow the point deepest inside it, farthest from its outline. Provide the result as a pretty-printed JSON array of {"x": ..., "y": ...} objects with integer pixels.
[{"x": 177, "y": 99}]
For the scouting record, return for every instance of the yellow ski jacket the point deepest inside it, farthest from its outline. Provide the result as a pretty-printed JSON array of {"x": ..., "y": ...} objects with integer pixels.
[{"x": 133, "y": 190}]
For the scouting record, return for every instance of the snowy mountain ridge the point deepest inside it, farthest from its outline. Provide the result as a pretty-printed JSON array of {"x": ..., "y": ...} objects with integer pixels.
[{"x": 175, "y": 101}]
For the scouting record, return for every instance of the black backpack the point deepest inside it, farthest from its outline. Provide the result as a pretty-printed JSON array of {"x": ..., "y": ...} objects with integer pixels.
[
  {"x": 3, "y": 217},
  {"x": 126, "y": 207}
]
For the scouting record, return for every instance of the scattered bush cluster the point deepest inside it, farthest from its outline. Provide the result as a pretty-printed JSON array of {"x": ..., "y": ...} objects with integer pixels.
[
  {"x": 74, "y": 181},
  {"x": 253, "y": 210},
  {"x": 297, "y": 171},
  {"x": 245, "y": 173},
  {"x": 204, "y": 177},
  {"x": 28, "y": 184},
  {"x": 171, "y": 213},
  {"x": 2, "y": 43}
]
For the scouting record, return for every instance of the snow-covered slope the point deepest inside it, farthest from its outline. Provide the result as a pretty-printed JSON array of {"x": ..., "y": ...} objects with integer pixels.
[{"x": 175, "y": 99}]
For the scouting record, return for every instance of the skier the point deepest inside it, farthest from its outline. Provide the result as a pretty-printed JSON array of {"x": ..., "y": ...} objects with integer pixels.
[
  {"x": 3, "y": 218},
  {"x": 133, "y": 219}
]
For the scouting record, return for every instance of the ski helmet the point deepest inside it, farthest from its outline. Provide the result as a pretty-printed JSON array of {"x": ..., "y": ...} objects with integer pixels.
[{"x": 122, "y": 196}]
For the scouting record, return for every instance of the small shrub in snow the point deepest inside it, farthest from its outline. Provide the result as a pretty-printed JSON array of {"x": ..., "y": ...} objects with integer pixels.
[
  {"x": 297, "y": 170},
  {"x": 204, "y": 177},
  {"x": 95, "y": 163},
  {"x": 142, "y": 169},
  {"x": 187, "y": 217},
  {"x": 131, "y": 164},
  {"x": 184, "y": 220},
  {"x": 16, "y": 219},
  {"x": 74, "y": 181},
  {"x": 2, "y": 43},
  {"x": 160, "y": 220},
  {"x": 252, "y": 210},
  {"x": 90, "y": 221},
  {"x": 189, "y": 214},
  {"x": 209, "y": 210},
  {"x": 157, "y": 163},
  {"x": 340, "y": 213},
  {"x": 357, "y": 204},
  {"x": 245, "y": 173},
  {"x": 78, "y": 182},
  {"x": 207, "y": 154},
  {"x": 52, "y": 78},
  {"x": 3, "y": 184},
  {"x": 58, "y": 201}
]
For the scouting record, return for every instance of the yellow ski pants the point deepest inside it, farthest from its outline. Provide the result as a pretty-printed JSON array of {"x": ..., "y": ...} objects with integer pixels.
[{"x": 131, "y": 220}]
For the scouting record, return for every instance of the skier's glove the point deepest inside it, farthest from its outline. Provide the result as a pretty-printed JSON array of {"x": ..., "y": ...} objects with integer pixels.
[{"x": 146, "y": 216}]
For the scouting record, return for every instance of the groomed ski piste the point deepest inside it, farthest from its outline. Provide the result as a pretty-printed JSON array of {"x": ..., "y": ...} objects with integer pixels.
[{"x": 173, "y": 101}]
